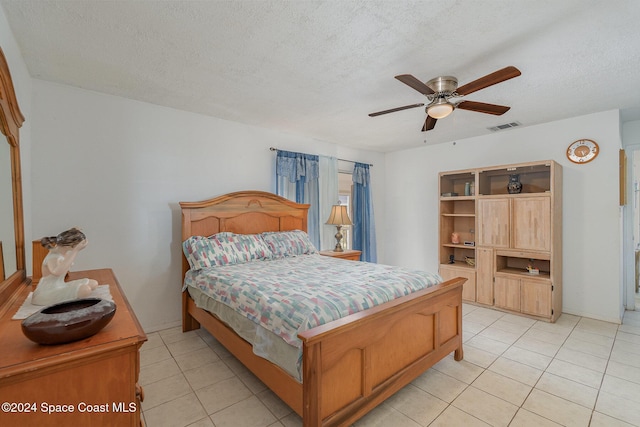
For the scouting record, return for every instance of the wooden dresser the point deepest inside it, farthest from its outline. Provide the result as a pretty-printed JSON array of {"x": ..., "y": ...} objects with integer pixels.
[{"x": 87, "y": 382}]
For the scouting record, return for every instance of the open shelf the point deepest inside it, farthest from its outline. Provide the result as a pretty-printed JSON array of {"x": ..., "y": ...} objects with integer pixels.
[
  {"x": 457, "y": 215},
  {"x": 515, "y": 263},
  {"x": 459, "y": 253},
  {"x": 458, "y": 245},
  {"x": 459, "y": 264},
  {"x": 458, "y": 206}
]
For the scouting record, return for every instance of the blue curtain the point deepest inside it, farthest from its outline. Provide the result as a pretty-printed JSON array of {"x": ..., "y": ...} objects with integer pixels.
[
  {"x": 297, "y": 180},
  {"x": 364, "y": 228}
]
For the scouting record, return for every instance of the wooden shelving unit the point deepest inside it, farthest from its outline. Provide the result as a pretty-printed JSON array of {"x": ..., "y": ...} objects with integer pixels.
[
  {"x": 458, "y": 215},
  {"x": 504, "y": 234}
]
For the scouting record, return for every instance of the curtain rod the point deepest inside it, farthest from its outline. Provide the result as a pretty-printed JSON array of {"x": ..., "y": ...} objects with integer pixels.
[{"x": 342, "y": 160}]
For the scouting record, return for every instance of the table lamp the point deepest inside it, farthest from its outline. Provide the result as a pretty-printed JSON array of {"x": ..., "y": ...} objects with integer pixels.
[{"x": 339, "y": 217}]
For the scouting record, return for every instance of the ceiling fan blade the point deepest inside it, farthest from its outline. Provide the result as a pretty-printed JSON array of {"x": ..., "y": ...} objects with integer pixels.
[
  {"x": 481, "y": 107},
  {"x": 393, "y": 110},
  {"x": 416, "y": 84},
  {"x": 489, "y": 80},
  {"x": 429, "y": 123}
]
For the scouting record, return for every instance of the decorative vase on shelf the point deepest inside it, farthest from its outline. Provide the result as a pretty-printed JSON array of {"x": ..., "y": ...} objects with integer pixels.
[{"x": 514, "y": 186}]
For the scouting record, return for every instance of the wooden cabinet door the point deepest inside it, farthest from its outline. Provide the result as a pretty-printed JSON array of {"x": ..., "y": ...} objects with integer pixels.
[
  {"x": 531, "y": 223},
  {"x": 484, "y": 275},
  {"x": 469, "y": 287},
  {"x": 507, "y": 293},
  {"x": 494, "y": 224},
  {"x": 536, "y": 297}
]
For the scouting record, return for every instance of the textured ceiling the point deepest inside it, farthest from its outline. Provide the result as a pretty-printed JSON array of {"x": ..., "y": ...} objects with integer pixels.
[{"x": 317, "y": 68}]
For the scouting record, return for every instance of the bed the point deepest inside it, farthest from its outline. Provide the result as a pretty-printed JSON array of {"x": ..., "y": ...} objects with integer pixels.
[{"x": 349, "y": 365}]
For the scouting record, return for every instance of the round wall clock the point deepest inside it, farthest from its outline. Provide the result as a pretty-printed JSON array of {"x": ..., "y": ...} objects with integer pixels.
[{"x": 582, "y": 151}]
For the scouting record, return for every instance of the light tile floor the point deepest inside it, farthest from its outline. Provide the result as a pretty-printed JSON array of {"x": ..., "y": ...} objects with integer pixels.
[{"x": 516, "y": 372}]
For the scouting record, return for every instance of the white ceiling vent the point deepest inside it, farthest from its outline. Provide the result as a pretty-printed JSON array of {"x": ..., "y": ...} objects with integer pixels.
[{"x": 505, "y": 126}]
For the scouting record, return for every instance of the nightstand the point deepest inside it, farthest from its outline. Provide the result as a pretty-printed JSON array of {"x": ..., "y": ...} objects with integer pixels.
[{"x": 351, "y": 255}]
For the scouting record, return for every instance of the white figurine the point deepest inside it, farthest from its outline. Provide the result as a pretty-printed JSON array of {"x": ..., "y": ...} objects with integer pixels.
[{"x": 63, "y": 249}]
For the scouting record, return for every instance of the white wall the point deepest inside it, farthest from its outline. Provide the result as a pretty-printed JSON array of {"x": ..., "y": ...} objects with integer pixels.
[
  {"x": 591, "y": 215},
  {"x": 117, "y": 168}
]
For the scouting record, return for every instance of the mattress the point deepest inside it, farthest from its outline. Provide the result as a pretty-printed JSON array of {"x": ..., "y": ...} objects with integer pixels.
[{"x": 269, "y": 302}]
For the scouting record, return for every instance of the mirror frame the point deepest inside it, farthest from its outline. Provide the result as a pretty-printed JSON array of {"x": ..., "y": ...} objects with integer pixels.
[{"x": 11, "y": 120}]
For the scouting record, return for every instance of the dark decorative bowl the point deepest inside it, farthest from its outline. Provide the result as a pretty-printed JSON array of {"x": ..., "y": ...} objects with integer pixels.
[{"x": 68, "y": 321}]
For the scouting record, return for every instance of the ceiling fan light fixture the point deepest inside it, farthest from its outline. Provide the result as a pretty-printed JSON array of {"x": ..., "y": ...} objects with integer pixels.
[
  {"x": 443, "y": 95},
  {"x": 440, "y": 109}
]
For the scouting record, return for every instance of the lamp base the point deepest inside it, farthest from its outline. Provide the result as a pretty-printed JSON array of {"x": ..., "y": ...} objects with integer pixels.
[{"x": 338, "y": 236}]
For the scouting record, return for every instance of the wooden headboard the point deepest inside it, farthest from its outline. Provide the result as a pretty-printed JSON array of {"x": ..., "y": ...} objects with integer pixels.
[{"x": 243, "y": 212}]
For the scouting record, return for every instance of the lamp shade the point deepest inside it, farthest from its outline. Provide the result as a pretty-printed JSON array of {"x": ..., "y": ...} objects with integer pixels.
[
  {"x": 339, "y": 216},
  {"x": 440, "y": 109}
]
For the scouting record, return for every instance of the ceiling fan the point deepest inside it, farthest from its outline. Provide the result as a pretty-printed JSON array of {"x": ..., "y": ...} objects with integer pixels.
[{"x": 443, "y": 95}]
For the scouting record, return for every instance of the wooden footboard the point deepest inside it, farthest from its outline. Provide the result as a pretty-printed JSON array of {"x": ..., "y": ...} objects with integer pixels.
[{"x": 353, "y": 364}]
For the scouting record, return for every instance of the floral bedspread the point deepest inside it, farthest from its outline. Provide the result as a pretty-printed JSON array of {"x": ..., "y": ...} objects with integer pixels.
[{"x": 294, "y": 294}]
